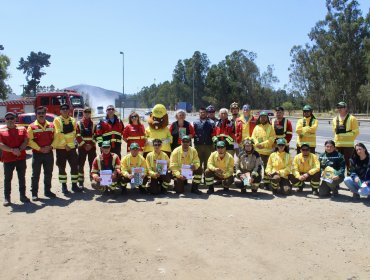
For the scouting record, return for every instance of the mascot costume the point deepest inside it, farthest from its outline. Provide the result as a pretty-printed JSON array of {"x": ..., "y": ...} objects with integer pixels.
[{"x": 157, "y": 129}]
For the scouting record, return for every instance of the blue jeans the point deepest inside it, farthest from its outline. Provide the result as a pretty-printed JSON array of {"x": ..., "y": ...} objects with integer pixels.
[{"x": 354, "y": 187}]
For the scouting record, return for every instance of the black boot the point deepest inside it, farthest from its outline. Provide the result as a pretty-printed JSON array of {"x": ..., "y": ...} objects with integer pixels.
[
  {"x": 24, "y": 198},
  {"x": 211, "y": 190},
  {"x": 142, "y": 190},
  {"x": 65, "y": 191},
  {"x": 81, "y": 184},
  {"x": 7, "y": 202},
  {"x": 75, "y": 188},
  {"x": 315, "y": 191},
  {"x": 194, "y": 189},
  {"x": 48, "y": 193}
]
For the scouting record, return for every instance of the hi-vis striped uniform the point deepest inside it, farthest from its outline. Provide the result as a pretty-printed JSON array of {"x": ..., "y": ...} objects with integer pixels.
[
  {"x": 310, "y": 165},
  {"x": 306, "y": 131},
  {"x": 226, "y": 165},
  {"x": 345, "y": 131},
  {"x": 178, "y": 158}
]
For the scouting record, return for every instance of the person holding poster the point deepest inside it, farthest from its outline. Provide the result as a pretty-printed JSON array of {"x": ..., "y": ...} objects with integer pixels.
[
  {"x": 106, "y": 170},
  {"x": 184, "y": 164},
  {"x": 158, "y": 163},
  {"x": 134, "y": 169}
]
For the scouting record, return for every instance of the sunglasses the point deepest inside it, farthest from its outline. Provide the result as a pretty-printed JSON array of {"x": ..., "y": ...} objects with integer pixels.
[
  {"x": 281, "y": 145},
  {"x": 41, "y": 113},
  {"x": 10, "y": 119},
  {"x": 185, "y": 141},
  {"x": 305, "y": 150},
  {"x": 110, "y": 109},
  {"x": 157, "y": 145},
  {"x": 134, "y": 117},
  {"x": 64, "y": 109},
  {"x": 306, "y": 111},
  {"x": 220, "y": 147}
]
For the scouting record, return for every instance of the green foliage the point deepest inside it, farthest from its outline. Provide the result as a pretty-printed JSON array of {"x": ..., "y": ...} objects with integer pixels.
[
  {"x": 4, "y": 75},
  {"x": 334, "y": 67},
  {"x": 32, "y": 67},
  {"x": 288, "y": 106}
]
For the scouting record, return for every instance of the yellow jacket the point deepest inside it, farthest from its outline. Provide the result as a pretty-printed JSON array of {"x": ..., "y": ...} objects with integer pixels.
[
  {"x": 310, "y": 165},
  {"x": 128, "y": 162},
  {"x": 226, "y": 164},
  {"x": 151, "y": 159},
  {"x": 265, "y": 135},
  {"x": 279, "y": 162},
  {"x": 62, "y": 139},
  {"x": 346, "y": 139},
  {"x": 178, "y": 158},
  {"x": 305, "y": 132},
  {"x": 163, "y": 134}
]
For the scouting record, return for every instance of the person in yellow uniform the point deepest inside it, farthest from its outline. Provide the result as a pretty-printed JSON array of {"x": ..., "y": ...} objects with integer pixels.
[
  {"x": 130, "y": 162},
  {"x": 345, "y": 128},
  {"x": 279, "y": 167},
  {"x": 160, "y": 177},
  {"x": 306, "y": 129},
  {"x": 220, "y": 166},
  {"x": 185, "y": 158},
  {"x": 264, "y": 137},
  {"x": 65, "y": 135},
  {"x": 306, "y": 168}
]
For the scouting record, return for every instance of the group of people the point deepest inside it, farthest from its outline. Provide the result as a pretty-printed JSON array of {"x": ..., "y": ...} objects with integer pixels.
[{"x": 248, "y": 151}]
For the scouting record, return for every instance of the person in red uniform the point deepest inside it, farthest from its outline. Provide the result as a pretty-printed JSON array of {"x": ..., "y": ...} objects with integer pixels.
[
  {"x": 86, "y": 144},
  {"x": 282, "y": 126},
  {"x": 110, "y": 129},
  {"x": 134, "y": 132},
  {"x": 13, "y": 143},
  {"x": 41, "y": 138},
  {"x": 224, "y": 131}
]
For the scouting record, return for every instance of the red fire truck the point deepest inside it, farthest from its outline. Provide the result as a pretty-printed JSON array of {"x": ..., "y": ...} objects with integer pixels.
[{"x": 50, "y": 100}]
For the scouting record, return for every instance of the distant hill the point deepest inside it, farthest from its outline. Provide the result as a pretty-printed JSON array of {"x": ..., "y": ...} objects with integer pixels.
[{"x": 97, "y": 96}]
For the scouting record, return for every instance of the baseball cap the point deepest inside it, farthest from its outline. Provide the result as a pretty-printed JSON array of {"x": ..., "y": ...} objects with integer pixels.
[
  {"x": 105, "y": 143},
  {"x": 10, "y": 114},
  {"x": 281, "y": 141},
  {"x": 305, "y": 145},
  {"x": 87, "y": 110},
  {"x": 64, "y": 106},
  {"x": 220, "y": 144},
  {"x": 341, "y": 104},
  {"x": 246, "y": 107},
  {"x": 134, "y": 146},
  {"x": 185, "y": 137},
  {"x": 307, "y": 108}
]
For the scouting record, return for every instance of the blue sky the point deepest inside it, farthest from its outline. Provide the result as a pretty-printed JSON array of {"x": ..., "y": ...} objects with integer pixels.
[{"x": 84, "y": 38}]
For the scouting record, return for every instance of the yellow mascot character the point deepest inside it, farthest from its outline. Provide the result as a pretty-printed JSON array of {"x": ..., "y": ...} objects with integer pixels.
[{"x": 157, "y": 129}]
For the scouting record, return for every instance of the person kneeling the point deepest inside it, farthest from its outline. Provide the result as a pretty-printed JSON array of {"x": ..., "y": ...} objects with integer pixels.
[
  {"x": 278, "y": 168},
  {"x": 248, "y": 168},
  {"x": 306, "y": 168},
  {"x": 184, "y": 162},
  {"x": 220, "y": 166},
  {"x": 134, "y": 169},
  {"x": 106, "y": 165},
  {"x": 158, "y": 163}
]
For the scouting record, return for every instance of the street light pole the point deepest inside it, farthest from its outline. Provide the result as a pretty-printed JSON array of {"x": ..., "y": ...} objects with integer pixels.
[
  {"x": 193, "y": 91},
  {"x": 123, "y": 84}
]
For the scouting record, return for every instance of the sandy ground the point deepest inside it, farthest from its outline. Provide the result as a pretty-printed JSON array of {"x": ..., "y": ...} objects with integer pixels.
[{"x": 223, "y": 236}]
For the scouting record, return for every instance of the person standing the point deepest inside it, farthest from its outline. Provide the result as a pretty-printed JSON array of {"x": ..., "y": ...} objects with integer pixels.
[
  {"x": 306, "y": 129},
  {"x": 179, "y": 128},
  {"x": 264, "y": 137},
  {"x": 188, "y": 156},
  {"x": 65, "y": 134},
  {"x": 134, "y": 132},
  {"x": 41, "y": 140},
  {"x": 110, "y": 129},
  {"x": 224, "y": 131},
  {"x": 234, "y": 110},
  {"x": 282, "y": 126},
  {"x": 345, "y": 128},
  {"x": 245, "y": 125},
  {"x": 86, "y": 144},
  {"x": 13, "y": 143},
  {"x": 203, "y": 128}
]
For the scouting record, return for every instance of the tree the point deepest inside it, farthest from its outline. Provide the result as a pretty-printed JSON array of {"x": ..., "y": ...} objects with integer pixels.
[
  {"x": 32, "y": 67},
  {"x": 288, "y": 106},
  {"x": 4, "y": 75},
  {"x": 334, "y": 66}
]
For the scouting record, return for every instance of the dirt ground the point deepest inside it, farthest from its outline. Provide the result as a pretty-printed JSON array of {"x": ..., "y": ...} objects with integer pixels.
[{"x": 222, "y": 236}]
